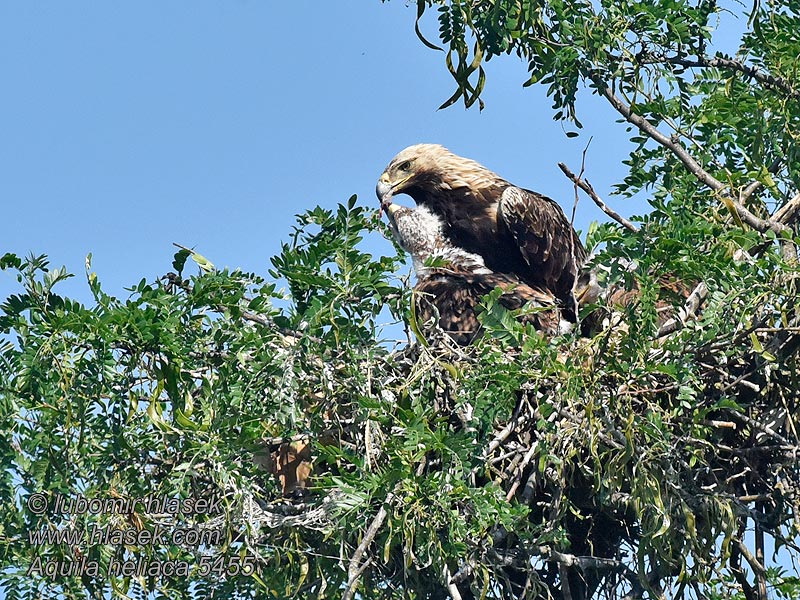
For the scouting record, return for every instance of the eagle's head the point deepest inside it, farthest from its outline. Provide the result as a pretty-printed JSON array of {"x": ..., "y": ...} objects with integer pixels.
[
  {"x": 427, "y": 172},
  {"x": 420, "y": 233}
]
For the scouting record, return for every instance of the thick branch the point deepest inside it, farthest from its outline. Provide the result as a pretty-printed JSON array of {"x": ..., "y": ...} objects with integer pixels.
[{"x": 788, "y": 213}]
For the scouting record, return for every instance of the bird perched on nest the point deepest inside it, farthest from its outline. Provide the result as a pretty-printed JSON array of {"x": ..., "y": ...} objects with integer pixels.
[
  {"x": 515, "y": 231},
  {"x": 452, "y": 281}
]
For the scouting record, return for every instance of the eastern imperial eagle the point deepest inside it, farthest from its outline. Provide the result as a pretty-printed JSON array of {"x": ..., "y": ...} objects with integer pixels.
[
  {"x": 514, "y": 230},
  {"x": 457, "y": 280}
]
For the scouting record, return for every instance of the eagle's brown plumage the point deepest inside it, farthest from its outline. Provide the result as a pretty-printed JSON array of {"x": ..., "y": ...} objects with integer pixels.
[
  {"x": 515, "y": 231},
  {"x": 457, "y": 280}
]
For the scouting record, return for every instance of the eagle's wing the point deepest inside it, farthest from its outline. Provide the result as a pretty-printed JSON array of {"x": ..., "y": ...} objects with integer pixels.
[
  {"x": 453, "y": 300},
  {"x": 540, "y": 228},
  {"x": 545, "y": 238}
]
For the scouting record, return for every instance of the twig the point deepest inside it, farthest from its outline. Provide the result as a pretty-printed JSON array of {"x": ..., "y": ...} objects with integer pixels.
[
  {"x": 586, "y": 187},
  {"x": 720, "y": 424}
]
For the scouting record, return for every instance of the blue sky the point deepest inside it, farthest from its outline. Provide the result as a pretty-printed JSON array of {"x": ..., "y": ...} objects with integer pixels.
[{"x": 129, "y": 126}]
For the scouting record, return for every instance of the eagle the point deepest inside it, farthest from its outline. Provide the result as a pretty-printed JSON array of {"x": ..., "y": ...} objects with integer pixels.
[
  {"x": 451, "y": 281},
  {"x": 515, "y": 231}
]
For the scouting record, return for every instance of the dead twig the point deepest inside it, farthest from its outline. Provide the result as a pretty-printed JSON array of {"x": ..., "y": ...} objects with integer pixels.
[{"x": 587, "y": 187}]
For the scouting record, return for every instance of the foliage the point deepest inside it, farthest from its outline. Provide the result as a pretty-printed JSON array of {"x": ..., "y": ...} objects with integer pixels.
[{"x": 657, "y": 458}]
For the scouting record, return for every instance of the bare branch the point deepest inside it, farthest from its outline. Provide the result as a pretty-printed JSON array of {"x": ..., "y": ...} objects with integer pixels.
[
  {"x": 749, "y": 190},
  {"x": 452, "y": 590},
  {"x": 670, "y": 143},
  {"x": 758, "y": 567},
  {"x": 687, "y": 312},
  {"x": 586, "y": 187},
  {"x": 761, "y": 575},
  {"x": 756, "y": 185},
  {"x": 520, "y": 469},
  {"x": 789, "y": 212},
  {"x": 356, "y": 567}
]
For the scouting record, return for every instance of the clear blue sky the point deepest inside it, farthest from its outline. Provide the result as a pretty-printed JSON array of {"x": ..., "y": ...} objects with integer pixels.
[{"x": 125, "y": 127}]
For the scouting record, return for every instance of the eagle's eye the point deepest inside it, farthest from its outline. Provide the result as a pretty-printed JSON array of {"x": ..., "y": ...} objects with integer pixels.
[{"x": 405, "y": 165}]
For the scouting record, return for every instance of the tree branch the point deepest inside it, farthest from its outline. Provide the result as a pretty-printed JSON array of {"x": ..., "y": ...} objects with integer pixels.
[
  {"x": 755, "y": 564},
  {"x": 788, "y": 213},
  {"x": 673, "y": 144},
  {"x": 452, "y": 590},
  {"x": 591, "y": 563},
  {"x": 587, "y": 187},
  {"x": 719, "y": 62},
  {"x": 688, "y": 311},
  {"x": 761, "y": 575},
  {"x": 736, "y": 569},
  {"x": 755, "y": 185},
  {"x": 356, "y": 567},
  {"x": 670, "y": 143}
]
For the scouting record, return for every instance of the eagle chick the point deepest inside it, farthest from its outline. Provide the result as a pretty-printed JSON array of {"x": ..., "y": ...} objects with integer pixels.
[{"x": 452, "y": 281}]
